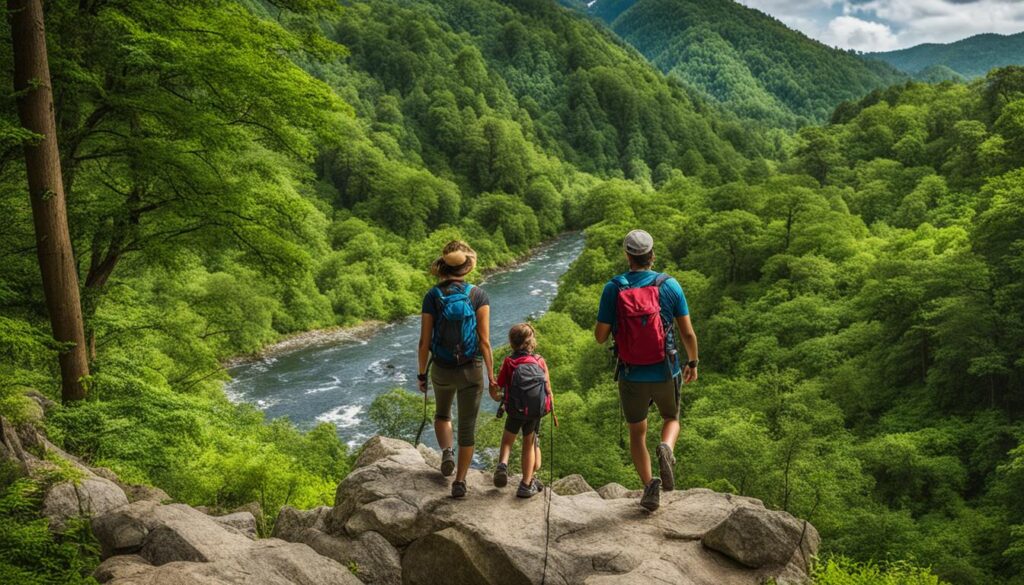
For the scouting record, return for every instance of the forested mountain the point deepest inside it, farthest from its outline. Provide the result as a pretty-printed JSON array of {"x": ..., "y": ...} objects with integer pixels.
[
  {"x": 971, "y": 57},
  {"x": 862, "y": 321},
  {"x": 748, "y": 61},
  {"x": 239, "y": 170}
]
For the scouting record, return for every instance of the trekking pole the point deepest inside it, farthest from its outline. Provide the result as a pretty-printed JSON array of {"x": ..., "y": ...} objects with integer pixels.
[
  {"x": 615, "y": 378},
  {"x": 426, "y": 402},
  {"x": 547, "y": 512}
]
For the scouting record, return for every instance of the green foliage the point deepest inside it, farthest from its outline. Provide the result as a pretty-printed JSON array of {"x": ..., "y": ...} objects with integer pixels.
[
  {"x": 842, "y": 571},
  {"x": 749, "y": 62},
  {"x": 399, "y": 413},
  {"x": 972, "y": 57},
  {"x": 30, "y": 553},
  {"x": 860, "y": 326}
]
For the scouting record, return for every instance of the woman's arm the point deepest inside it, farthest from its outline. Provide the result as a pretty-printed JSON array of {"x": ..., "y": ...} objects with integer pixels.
[
  {"x": 426, "y": 330},
  {"x": 483, "y": 335}
]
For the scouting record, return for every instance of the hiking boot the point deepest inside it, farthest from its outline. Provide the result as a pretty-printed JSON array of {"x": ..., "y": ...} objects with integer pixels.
[
  {"x": 528, "y": 491},
  {"x": 447, "y": 461},
  {"x": 458, "y": 489},
  {"x": 538, "y": 484},
  {"x": 652, "y": 495},
  {"x": 501, "y": 475},
  {"x": 666, "y": 465}
]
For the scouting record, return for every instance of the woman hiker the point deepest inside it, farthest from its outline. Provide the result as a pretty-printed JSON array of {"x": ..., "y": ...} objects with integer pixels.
[{"x": 455, "y": 347}]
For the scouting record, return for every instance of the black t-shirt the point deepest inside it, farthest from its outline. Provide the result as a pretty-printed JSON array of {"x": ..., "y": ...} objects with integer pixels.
[{"x": 431, "y": 302}]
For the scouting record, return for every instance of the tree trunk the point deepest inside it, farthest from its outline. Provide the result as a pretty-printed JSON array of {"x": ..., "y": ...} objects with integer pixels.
[{"x": 46, "y": 190}]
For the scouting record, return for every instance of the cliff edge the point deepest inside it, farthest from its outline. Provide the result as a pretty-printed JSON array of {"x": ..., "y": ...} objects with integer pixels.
[{"x": 395, "y": 524}]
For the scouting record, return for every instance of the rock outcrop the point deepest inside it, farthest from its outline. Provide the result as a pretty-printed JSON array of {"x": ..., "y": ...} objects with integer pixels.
[{"x": 394, "y": 522}]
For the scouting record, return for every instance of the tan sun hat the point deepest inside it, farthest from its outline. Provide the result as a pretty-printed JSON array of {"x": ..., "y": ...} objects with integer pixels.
[{"x": 457, "y": 259}]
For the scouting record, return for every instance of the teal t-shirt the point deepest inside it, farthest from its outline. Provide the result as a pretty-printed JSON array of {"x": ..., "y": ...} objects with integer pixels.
[{"x": 673, "y": 304}]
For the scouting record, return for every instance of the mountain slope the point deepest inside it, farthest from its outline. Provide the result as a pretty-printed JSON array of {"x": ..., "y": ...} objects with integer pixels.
[
  {"x": 746, "y": 60},
  {"x": 971, "y": 57}
]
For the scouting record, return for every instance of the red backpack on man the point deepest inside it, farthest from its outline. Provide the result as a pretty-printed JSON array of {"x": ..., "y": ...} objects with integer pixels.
[{"x": 640, "y": 335}]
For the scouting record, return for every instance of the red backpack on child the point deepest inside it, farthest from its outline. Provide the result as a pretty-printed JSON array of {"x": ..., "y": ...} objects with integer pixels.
[
  {"x": 640, "y": 335},
  {"x": 526, "y": 396}
]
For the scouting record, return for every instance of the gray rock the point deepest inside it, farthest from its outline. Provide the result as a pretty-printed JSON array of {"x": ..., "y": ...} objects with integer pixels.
[
  {"x": 461, "y": 558},
  {"x": 191, "y": 540},
  {"x": 380, "y": 447},
  {"x": 369, "y": 556},
  {"x": 163, "y": 534},
  {"x": 571, "y": 485},
  {"x": 291, "y": 522},
  {"x": 92, "y": 496},
  {"x": 138, "y": 493},
  {"x": 431, "y": 456},
  {"x": 758, "y": 537},
  {"x": 106, "y": 473},
  {"x": 266, "y": 562},
  {"x": 493, "y": 537},
  {"x": 44, "y": 403},
  {"x": 124, "y": 566},
  {"x": 12, "y": 455},
  {"x": 613, "y": 491},
  {"x": 243, "y": 522},
  {"x": 647, "y": 572}
]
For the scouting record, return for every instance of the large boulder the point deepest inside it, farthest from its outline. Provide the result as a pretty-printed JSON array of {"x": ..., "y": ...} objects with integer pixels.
[
  {"x": 123, "y": 566},
  {"x": 613, "y": 491},
  {"x": 758, "y": 537},
  {"x": 291, "y": 522},
  {"x": 266, "y": 562},
  {"x": 369, "y": 556},
  {"x": 243, "y": 522},
  {"x": 492, "y": 537},
  {"x": 90, "y": 496},
  {"x": 146, "y": 543},
  {"x": 571, "y": 485},
  {"x": 166, "y": 533}
]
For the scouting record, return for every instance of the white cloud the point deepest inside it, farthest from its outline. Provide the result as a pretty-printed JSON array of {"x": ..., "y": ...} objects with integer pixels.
[
  {"x": 879, "y": 25},
  {"x": 850, "y": 32},
  {"x": 942, "y": 21}
]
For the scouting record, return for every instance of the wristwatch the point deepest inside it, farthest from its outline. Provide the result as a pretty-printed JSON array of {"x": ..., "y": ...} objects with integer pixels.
[
  {"x": 692, "y": 364},
  {"x": 421, "y": 377}
]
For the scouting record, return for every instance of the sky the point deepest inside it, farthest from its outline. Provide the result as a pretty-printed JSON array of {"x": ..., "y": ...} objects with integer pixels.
[{"x": 885, "y": 25}]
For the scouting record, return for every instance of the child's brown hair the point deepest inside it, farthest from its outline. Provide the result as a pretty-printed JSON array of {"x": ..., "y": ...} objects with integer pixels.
[{"x": 522, "y": 337}]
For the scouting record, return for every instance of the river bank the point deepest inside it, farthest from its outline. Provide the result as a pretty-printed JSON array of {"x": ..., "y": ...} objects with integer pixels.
[
  {"x": 362, "y": 331},
  {"x": 333, "y": 376}
]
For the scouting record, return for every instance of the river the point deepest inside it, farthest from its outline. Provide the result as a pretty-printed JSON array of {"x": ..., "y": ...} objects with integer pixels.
[{"x": 336, "y": 382}]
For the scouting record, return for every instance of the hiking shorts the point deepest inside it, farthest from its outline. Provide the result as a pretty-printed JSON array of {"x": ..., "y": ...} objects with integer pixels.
[
  {"x": 465, "y": 383},
  {"x": 636, "y": 399},
  {"x": 515, "y": 425}
]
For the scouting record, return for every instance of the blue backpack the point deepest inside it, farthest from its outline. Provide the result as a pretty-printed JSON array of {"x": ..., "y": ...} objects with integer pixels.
[{"x": 454, "y": 341}]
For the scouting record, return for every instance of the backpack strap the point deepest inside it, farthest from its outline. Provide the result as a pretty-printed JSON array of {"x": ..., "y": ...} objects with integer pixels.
[
  {"x": 660, "y": 279},
  {"x": 621, "y": 282}
]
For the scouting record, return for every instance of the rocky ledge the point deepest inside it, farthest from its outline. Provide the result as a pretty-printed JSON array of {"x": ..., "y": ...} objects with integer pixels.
[{"x": 394, "y": 523}]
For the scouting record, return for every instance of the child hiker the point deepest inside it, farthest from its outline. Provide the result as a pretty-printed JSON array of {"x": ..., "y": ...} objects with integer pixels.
[{"x": 527, "y": 399}]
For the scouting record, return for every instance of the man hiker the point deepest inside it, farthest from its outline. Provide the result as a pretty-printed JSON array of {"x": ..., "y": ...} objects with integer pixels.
[{"x": 639, "y": 308}]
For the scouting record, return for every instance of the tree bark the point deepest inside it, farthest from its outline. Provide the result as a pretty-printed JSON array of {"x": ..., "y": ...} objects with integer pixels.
[{"x": 46, "y": 191}]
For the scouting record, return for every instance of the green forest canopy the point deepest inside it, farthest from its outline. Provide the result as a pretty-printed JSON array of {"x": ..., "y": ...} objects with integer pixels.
[
  {"x": 972, "y": 57},
  {"x": 239, "y": 171},
  {"x": 745, "y": 60}
]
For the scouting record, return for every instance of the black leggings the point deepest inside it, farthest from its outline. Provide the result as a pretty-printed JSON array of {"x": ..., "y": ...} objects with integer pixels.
[{"x": 467, "y": 384}]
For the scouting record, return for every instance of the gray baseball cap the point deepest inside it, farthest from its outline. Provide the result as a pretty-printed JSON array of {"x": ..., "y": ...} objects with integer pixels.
[{"x": 638, "y": 242}]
